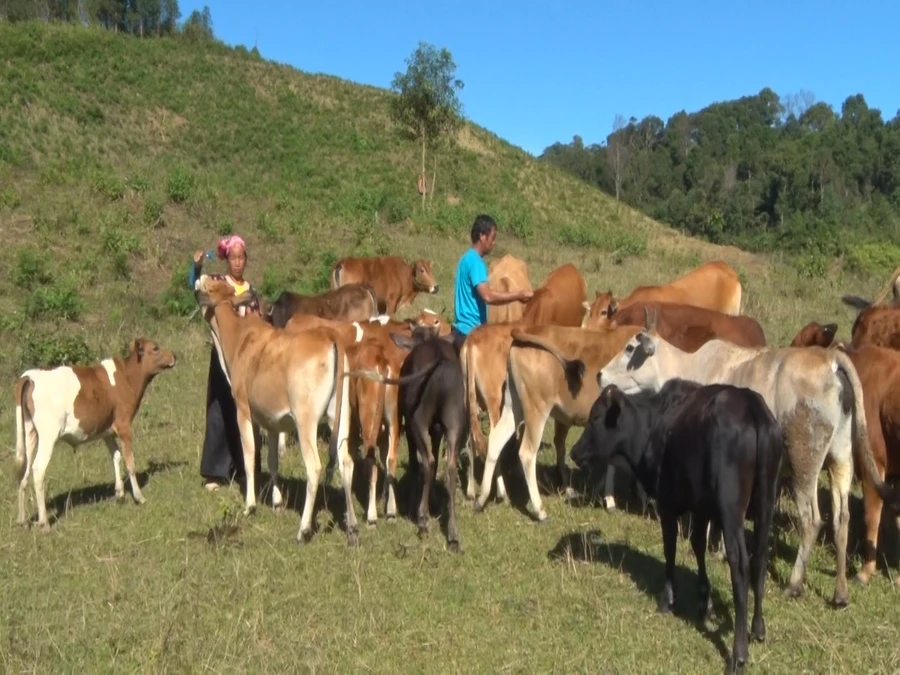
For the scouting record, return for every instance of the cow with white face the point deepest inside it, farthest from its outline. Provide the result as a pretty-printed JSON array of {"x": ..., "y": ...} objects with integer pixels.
[{"x": 814, "y": 393}]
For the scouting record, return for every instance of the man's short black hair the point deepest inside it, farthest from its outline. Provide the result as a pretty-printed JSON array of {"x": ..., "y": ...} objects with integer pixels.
[{"x": 483, "y": 225}]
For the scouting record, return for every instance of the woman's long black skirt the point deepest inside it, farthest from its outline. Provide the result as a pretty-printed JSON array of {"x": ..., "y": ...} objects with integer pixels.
[{"x": 223, "y": 454}]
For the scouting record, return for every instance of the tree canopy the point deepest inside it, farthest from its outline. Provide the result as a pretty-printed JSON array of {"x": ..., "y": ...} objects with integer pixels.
[{"x": 761, "y": 172}]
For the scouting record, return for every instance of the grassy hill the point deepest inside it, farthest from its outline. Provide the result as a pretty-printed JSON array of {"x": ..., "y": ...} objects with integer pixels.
[{"x": 118, "y": 158}]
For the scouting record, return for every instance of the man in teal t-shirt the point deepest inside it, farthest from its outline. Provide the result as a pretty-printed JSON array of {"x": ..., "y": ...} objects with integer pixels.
[{"x": 472, "y": 294}]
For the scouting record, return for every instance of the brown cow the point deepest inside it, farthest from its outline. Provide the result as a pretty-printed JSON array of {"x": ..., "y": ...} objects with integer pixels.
[
  {"x": 281, "y": 381},
  {"x": 877, "y": 325},
  {"x": 539, "y": 388},
  {"x": 713, "y": 285},
  {"x": 508, "y": 274},
  {"x": 691, "y": 326},
  {"x": 78, "y": 404},
  {"x": 879, "y": 372},
  {"x": 559, "y": 301},
  {"x": 353, "y": 302},
  {"x": 395, "y": 281}
]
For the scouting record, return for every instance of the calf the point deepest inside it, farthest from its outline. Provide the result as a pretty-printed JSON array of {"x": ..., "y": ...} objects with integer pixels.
[
  {"x": 78, "y": 404},
  {"x": 714, "y": 451},
  {"x": 433, "y": 407},
  {"x": 353, "y": 302}
]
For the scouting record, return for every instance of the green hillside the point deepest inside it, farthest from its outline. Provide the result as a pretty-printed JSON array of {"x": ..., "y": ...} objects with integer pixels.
[{"x": 120, "y": 156}]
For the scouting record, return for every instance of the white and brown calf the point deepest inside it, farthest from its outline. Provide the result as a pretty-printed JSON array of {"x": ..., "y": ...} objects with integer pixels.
[{"x": 78, "y": 404}]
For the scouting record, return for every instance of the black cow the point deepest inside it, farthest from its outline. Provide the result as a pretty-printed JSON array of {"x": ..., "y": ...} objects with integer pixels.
[
  {"x": 714, "y": 451},
  {"x": 433, "y": 407}
]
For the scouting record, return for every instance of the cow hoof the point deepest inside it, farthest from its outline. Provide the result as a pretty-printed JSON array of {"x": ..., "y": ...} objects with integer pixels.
[
  {"x": 793, "y": 591},
  {"x": 423, "y": 531},
  {"x": 279, "y": 509},
  {"x": 478, "y": 507},
  {"x": 352, "y": 538},
  {"x": 542, "y": 516},
  {"x": 570, "y": 495},
  {"x": 897, "y": 582},
  {"x": 139, "y": 500},
  {"x": 249, "y": 510},
  {"x": 304, "y": 536},
  {"x": 371, "y": 524},
  {"x": 391, "y": 517},
  {"x": 453, "y": 546},
  {"x": 44, "y": 528},
  {"x": 758, "y": 631},
  {"x": 840, "y": 599},
  {"x": 861, "y": 579},
  {"x": 120, "y": 496}
]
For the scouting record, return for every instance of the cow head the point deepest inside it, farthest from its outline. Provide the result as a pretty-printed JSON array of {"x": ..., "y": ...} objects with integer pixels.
[
  {"x": 815, "y": 334},
  {"x": 609, "y": 431},
  {"x": 638, "y": 367},
  {"x": 431, "y": 321},
  {"x": 210, "y": 293},
  {"x": 423, "y": 277},
  {"x": 150, "y": 358},
  {"x": 418, "y": 335},
  {"x": 600, "y": 312}
]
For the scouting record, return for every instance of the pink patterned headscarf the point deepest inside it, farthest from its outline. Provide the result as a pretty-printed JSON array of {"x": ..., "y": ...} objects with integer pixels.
[{"x": 227, "y": 243}]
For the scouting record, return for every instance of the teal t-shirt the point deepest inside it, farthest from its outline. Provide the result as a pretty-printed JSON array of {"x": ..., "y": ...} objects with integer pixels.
[{"x": 470, "y": 309}]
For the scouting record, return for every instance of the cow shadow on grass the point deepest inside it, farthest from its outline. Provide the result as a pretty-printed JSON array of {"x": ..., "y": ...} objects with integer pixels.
[
  {"x": 649, "y": 574},
  {"x": 60, "y": 505}
]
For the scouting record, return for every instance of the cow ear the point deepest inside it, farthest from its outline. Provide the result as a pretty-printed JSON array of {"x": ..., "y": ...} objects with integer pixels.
[
  {"x": 137, "y": 348},
  {"x": 612, "y": 396},
  {"x": 829, "y": 331},
  {"x": 403, "y": 341},
  {"x": 586, "y": 305},
  {"x": 613, "y": 308},
  {"x": 646, "y": 343}
]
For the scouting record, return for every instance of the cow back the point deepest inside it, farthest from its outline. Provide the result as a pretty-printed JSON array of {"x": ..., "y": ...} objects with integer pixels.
[
  {"x": 559, "y": 301},
  {"x": 508, "y": 274}
]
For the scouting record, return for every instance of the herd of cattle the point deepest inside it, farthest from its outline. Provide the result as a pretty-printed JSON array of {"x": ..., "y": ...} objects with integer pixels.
[{"x": 672, "y": 379}]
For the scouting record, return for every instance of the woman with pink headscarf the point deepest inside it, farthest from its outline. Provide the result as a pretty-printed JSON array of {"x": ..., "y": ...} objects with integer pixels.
[{"x": 223, "y": 457}]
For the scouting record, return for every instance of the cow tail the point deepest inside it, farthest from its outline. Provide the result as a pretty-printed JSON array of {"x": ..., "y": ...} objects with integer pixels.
[
  {"x": 23, "y": 385},
  {"x": 342, "y": 396},
  {"x": 476, "y": 435},
  {"x": 336, "y": 275},
  {"x": 573, "y": 369},
  {"x": 862, "y": 447}
]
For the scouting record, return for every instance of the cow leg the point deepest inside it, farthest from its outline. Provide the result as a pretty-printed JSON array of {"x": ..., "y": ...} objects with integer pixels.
[
  {"x": 736, "y": 552},
  {"x": 30, "y": 447},
  {"x": 669, "y": 524},
  {"x": 560, "y": 431},
  {"x": 128, "y": 453},
  {"x": 282, "y": 443},
  {"x": 502, "y": 432},
  {"x": 275, "y": 444},
  {"x": 454, "y": 443},
  {"x": 392, "y": 419},
  {"x": 116, "y": 455},
  {"x": 810, "y": 524},
  {"x": 248, "y": 445},
  {"x": 841, "y": 475},
  {"x": 872, "y": 505},
  {"x": 306, "y": 431},
  {"x": 420, "y": 444},
  {"x": 766, "y": 498},
  {"x": 698, "y": 543}
]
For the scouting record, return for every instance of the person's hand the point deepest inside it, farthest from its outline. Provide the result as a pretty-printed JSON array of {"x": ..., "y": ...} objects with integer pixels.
[
  {"x": 198, "y": 256},
  {"x": 525, "y": 296}
]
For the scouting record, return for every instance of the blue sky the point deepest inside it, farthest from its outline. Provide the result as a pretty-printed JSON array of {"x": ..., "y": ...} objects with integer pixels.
[{"x": 535, "y": 75}]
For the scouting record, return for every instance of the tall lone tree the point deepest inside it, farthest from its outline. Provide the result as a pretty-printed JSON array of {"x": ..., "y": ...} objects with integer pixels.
[{"x": 427, "y": 106}]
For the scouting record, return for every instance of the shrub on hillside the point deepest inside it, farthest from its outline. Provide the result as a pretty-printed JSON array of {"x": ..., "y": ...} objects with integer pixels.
[
  {"x": 180, "y": 184},
  {"x": 58, "y": 300},
  {"x": 31, "y": 269},
  {"x": 41, "y": 349}
]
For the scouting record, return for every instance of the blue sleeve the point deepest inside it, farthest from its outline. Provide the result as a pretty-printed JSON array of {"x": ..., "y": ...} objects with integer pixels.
[{"x": 478, "y": 272}]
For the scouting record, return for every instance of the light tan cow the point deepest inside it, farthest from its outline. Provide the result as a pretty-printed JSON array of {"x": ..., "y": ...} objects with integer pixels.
[
  {"x": 79, "y": 404},
  {"x": 816, "y": 397},
  {"x": 713, "y": 285},
  {"x": 280, "y": 381},
  {"x": 509, "y": 273},
  {"x": 552, "y": 372},
  {"x": 396, "y": 282}
]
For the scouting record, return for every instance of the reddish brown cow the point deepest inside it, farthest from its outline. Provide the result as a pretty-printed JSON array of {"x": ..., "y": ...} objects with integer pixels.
[
  {"x": 353, "y": 302},
  {"x": 396, "y": 282},
  {"x": 713, "y": 285},
  {"x": 78, "y": 404},
  {"x": 877, "y": 325},
  {"x": 690, "y": 326},
  {"x": 879, "y": 373}
]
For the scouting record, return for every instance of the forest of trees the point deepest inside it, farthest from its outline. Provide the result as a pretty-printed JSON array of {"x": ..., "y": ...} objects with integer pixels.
[
  {"x": 144, "y": 18},
  {"x": 761, "y": 172}
]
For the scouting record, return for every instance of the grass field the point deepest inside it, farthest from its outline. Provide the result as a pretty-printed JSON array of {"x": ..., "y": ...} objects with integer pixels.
[{"x": 129, "y": 155}]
